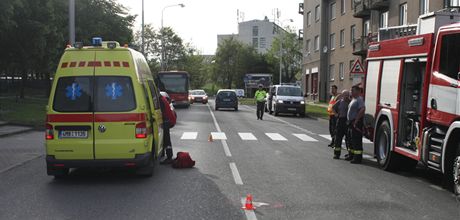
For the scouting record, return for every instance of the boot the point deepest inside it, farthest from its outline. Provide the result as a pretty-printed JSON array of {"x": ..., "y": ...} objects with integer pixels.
[
  {"x": 357, "y": 159},
  {"x": 349, "y": 157}
]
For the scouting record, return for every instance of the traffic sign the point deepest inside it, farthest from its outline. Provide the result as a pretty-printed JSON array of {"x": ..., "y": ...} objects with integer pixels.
[{"x": 357, "y": 68}]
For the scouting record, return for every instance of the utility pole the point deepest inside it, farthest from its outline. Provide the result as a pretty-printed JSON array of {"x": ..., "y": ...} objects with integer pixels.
[
  {"x": 71, "y": 22},
  {"x": 142, "y": 31}
]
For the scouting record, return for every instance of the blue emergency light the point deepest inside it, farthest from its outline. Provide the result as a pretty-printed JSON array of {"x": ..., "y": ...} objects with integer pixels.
[{"x": 97, "y": 41}]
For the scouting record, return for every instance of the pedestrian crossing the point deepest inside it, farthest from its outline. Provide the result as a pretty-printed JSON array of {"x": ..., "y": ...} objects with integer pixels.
[{"x": 249, "y": 136}]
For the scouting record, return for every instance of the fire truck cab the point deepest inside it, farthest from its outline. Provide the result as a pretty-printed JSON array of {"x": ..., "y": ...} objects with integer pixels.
[{"x": 412, "y": 97}]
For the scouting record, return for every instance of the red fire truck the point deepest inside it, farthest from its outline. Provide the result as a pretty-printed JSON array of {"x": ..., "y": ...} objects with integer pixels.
[{"x": 412, "y": 97}]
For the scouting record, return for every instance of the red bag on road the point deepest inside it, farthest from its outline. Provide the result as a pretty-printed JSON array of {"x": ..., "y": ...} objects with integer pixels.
[{"x": 183, "y": 160}]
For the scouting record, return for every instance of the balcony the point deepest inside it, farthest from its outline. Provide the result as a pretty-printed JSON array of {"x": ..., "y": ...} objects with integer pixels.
[
  {"x": 360, "y": 46},
  {"x": 361, "y": 9},
  {"x": 397, "y": 32},
  {"x": 301, "y": 8},
  {"x": 300, "y": 34},
  {"x": 379, "y": 4}
]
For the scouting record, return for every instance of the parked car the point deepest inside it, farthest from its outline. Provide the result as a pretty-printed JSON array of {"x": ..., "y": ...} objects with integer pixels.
[
  {"x": 285, "y": 99},
  {"x": 226, "y": 98},
  {"x": 198, "y": 96}
]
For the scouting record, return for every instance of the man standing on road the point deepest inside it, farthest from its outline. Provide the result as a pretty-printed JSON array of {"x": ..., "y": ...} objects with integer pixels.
[
  {"x": 260, "y": 100},
  {"x": 332, "y": 117},
  {"x": 169, "y": 120},
  {"x": 356, "y": 110},
  {"x": 340, "y": 110}
]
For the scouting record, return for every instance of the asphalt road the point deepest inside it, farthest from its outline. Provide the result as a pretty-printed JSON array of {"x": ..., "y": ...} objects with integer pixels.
[{"x": 284, "y": 162}]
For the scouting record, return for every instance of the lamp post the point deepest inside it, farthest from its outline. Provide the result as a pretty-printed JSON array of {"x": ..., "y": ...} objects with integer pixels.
[
  {"x": 71, "y": 22},
  {"x": 142, "y": 30},
  {"x": 162, "y": 46},
  {"x": 281, "y": 47}
]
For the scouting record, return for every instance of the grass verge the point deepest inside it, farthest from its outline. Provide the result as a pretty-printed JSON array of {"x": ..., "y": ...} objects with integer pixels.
[
  {"x": 316, "y": 111},
  {"x": 28, "y": 111}
]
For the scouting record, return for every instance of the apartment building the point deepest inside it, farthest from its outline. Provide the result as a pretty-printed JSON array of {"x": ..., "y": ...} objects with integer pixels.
[{"x": 337, "y": 32}]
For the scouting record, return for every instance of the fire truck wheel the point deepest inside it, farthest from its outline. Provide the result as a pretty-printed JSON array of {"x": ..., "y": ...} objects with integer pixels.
[
  {"x": 386, "y": 159},
  {"x": 456, "y": 172}
]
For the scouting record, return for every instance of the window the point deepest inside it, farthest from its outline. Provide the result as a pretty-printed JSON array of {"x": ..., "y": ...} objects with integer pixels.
[
  {"x": 342, "y": 6},
  {"x": 454, "y": 3},
  {"x": 255, "y": 31},
  {"x": 352, "y": 5},
  {"x": 308, "y": 18},
  {"x": 114, "y": 94},
  {"x": 263, "y": 42},
  {"x": 341, "y": 71},
  {"x": 403, "y": 14},
  {"x": 383, "y": 21},
  {"x": 366, "y": 28},
  {"x": 424, "y": 7},
  {"x": 332, "y": 41},
  {"x": 331, "y": 72},
  {"x": 73, "y": 94},
  {"x": 332, "y": 10},
  {"x": 352, "y": 34},
  {"x": 450, "y": 51},
  {"x": 342, "y": 38},
  {"x": 316, "y": 43},
  {"x": 307, "y": 46},
  {"x": 255, "y": 42},
  {"x": 317, "y": 15}
]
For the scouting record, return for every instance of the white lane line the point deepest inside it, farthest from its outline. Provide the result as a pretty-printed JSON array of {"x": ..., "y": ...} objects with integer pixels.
[
  {"x": 276, "y": 136},
  {"x": 366, "y": 141},
  {"x": 326, "y": 136},
  {"x": 226, "y": 149},
  {"x": 236, "y": 174},
  {"x": 218, "y": 136},
  {"x": 285, "y": 122},
  {"x": 189, "y": 135},
  {"x": 247, "y": 136},
  {"x": 369, "y": 157},
  {"x": 223, "y": 141},
  {"x": 250, "y": 215},
  {"x": 305, "y": 137}
]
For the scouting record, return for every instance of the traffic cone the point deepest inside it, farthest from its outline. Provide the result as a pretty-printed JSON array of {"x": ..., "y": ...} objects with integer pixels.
[
  {"x": 210, "y": 138},
  {"x": 248, "y": 205}
]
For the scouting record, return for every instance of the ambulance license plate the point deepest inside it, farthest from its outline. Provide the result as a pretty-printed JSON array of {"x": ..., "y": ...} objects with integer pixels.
[
  {"x": 292, "y": 109},
  {"x": 226, "y": 100},
  {"x": 73, "y": 134}
]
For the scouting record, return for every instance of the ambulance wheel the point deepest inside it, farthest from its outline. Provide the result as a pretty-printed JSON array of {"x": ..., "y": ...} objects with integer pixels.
[
  {"x": 146, "y": 171},
  {"x": 386, "y": 159},
  {"x": 61, "y": 173}
]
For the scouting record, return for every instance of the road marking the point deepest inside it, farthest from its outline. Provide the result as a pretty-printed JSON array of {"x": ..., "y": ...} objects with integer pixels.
[
  {"x": 276, "y": 136},
  {"x": 223, "y": 141},
  {"x": 369, "y": 157},
  {"x": 250, "y": 215},
  {"x": 247, "y": 136},
  {"x": 305, "y": 137},
  {"x": 236, "y": 174},
  {"x": 189, "y": 135},
  {"x": 218, "y": 136},
  {"x": 326, "y": 136}
]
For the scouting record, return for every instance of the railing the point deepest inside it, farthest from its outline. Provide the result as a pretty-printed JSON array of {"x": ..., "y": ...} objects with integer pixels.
[
  {"x": 360, "y": 46},
  {"x": 300, "y": 34},
  {"x": 361, "y": 9},
  {"x": 301, "y": 9},
  {"x": 397, "y": 32}
]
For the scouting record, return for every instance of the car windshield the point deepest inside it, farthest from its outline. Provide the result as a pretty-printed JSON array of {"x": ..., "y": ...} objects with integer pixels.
[
  {"x": 174, "y": 83},
  {"x": 198, "y": 93},
  {"x": 289, "y": 91}
]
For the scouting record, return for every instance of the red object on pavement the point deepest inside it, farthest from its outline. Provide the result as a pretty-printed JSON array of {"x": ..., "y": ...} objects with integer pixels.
[
  {"x": 248, "y": 205},
  {"x": 183, "y": 160}
]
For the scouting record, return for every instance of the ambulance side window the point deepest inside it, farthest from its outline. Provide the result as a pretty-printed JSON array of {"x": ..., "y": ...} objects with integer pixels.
[
  {"x": 156, "y": 101},
  {"x": 450, "y": 52}
]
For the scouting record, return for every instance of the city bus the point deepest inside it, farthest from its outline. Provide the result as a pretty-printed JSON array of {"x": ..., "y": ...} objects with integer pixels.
[{"x": 176, "y": 84}]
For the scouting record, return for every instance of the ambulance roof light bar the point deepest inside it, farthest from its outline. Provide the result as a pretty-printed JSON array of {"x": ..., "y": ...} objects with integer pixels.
[
  {"x": 97, "y": 41},
  {"x": 78, "y": 45}
]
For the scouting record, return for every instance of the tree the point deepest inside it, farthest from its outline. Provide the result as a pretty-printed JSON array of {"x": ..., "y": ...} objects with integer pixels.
[{"x": 291, "y": 56}]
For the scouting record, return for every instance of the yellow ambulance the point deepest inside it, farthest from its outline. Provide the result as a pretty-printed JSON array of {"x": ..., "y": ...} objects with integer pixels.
[{"x": 103, "y": 111}]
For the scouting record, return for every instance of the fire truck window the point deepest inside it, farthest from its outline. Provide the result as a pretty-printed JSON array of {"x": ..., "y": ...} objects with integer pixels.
[{"x": 450, "y": 52}]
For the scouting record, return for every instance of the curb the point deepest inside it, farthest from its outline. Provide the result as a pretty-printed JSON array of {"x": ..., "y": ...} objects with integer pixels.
[{"x": 17, "y": 132}]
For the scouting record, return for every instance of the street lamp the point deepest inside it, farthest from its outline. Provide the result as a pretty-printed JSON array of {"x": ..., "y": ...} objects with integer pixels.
[
  {"x": 281, "y": 47},
  {"x": 162, "y": 46},
  {"x": 71, "y": 22},
  {"x": 142, "y": 30}
]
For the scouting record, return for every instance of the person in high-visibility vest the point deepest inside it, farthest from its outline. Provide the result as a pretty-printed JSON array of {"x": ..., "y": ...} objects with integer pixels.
[
  {"x": 355, "y": 116},
  {"x": 260, "y": 99},
  {"x": 332, "y": 117}
]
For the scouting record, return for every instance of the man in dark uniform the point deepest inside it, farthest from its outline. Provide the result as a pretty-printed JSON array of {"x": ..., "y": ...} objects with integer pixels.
[
  {"x": 340, "y": 111},
  {"x": 355, "y": 115}
]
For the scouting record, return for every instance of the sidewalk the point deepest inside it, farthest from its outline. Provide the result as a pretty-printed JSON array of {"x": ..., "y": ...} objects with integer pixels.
[{"x": 7, "y": 129}]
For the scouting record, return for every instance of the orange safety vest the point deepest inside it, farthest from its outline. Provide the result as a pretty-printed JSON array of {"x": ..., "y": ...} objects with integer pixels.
[{"x": 332, "y": 102}]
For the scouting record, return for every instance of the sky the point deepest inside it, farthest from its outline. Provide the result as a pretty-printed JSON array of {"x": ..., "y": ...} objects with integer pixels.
[{"x": 200, "y": 21}]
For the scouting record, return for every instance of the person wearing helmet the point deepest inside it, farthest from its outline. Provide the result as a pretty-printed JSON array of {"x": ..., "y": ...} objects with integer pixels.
[{"x": 260, "y": 100}]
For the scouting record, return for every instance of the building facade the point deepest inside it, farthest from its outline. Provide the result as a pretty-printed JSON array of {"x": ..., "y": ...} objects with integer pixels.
[
  {"x": 337, "y": 33},
  {"x": 256, "y": 33}
]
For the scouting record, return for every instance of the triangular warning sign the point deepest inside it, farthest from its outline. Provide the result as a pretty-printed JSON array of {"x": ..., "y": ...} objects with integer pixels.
[{"x": 357, "y": 68}]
